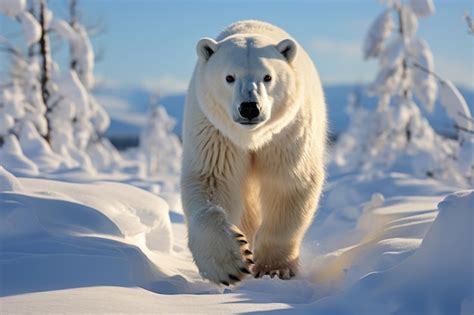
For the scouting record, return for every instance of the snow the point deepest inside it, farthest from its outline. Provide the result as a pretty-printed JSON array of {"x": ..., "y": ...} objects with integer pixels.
[
  {"x": 423, "y": 7},
  {"x": 50, "y": 228},
  {"x": 466, "y": 157},
  {"x": 12, "y": 7},
  {"x": 31, "y": 28},
  {"x": 103, "y": 154},
  {"x": 409, "y": 20},
  {"x": 436, "y": 279},
  {"x": 371, "y": 146},
  {"x": 396, "y": 134},
  {"x": 456, "y": 105},
  {"x": 12, "y": 157},
  {"x": 157, "y": 142},
  {"x": 6, "y": 123},
  {"x": 8, "y": 182},
  {"x": 100, "y": 118},
  {"x": 425, "y": 85},
  {"x": 375, "y": 235},
  {"x": 59, "y": 118},
  {"x": 62, "y": 28},
  {"x": 392, "y": 54},
  {"x": 83, "y": 53},
  {"x": 71, "y": 87},
  {"x": 36, "y": 149},
  {"x": 101, "y": 299},
  {"x": 12, "y": 100},
  {"x": 81, "y": 48},
  {"x": 378, "y": 32}
]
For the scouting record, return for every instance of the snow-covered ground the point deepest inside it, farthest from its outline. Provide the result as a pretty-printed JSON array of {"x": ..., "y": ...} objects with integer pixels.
[{"x": 380, "y": 243}]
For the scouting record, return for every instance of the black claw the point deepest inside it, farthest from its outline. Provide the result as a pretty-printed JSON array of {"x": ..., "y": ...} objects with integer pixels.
[
  {"x": 239, "y": 235},
  {"x": 232, "y": 277},
  {"x": 225, "y": 283},
  {"x": 247, "y": 252},
  {"x": 243, "y": 242},
  {"x": 257, "y": 275},
  {"x": 292, "y": 274},
  {"x": 250, "y": 261},
  {"x": 245, "y": 270}
]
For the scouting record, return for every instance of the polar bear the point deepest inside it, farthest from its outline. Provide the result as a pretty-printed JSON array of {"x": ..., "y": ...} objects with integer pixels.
[{"x": 254, "y": 139}]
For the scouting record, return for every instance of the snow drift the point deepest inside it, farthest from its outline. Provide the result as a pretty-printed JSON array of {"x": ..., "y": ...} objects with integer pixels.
[
  {"x": 58, "y": 235},
  {"x": 436, "y": 279},
  {"x": 379, "y": 244}
]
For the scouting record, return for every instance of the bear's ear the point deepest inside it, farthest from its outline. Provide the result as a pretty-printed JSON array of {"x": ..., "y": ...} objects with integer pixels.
[
  {"x": 205, "y": 48},
  {"x": 288, "y": 48}
]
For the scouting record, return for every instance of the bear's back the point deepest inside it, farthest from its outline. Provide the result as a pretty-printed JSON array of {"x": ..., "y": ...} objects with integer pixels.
[{"x": 253, "y": 27}]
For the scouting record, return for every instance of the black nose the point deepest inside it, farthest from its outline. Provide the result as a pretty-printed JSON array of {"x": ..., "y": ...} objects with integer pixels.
[{"x": 249, "y": 110}]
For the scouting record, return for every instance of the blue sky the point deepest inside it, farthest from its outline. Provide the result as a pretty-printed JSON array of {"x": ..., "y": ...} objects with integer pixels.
[{"x": 153, "y": 42}]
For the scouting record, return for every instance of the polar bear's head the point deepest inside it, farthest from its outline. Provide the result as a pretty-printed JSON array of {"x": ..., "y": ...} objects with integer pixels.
[{"x": 247, "y": 86}]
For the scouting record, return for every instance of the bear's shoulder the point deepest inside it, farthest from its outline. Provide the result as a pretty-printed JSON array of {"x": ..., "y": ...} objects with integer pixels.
[{"x": 253, "y": 27}]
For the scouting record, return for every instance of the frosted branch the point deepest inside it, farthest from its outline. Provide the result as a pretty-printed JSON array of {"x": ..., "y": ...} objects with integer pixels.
[{"x": 422, "y": 68}]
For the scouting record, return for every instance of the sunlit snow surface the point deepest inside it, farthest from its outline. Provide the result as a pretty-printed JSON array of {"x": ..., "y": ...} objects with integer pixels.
[{"x": 379, "y": 244}]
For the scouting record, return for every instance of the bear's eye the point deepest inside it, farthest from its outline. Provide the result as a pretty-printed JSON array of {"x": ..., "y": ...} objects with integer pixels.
[
  {"x": 267, "y": 78},
  {"x": 230, "y": 78}
]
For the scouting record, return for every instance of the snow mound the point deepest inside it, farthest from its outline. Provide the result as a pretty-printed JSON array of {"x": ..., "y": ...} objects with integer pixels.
[
  {"x": 368, "y": 223},
  {"x": 12, "y": 157},
  {"x": 436, "y": 279},
  {"x": 58, "y": 235},
  {"x": 8, "y": 182}
]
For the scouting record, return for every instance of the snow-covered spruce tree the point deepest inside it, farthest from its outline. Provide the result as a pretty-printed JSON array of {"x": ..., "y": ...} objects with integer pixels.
[
  {"x": 159, "y": 147},
  {"x": 396, "y": 136},
  {"x": 90, "y": 120}
]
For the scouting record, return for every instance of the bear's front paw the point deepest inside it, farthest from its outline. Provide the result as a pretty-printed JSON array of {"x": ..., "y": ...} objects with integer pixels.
[
  {"x": 284, "y": 270},
  {"x": 225, "y": 258}
]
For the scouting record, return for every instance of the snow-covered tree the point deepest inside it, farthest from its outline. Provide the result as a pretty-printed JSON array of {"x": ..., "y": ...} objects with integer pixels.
[
  {"x": 22, "y": 98},
  {"x": 57, "y": 102},
  {"x": 90, "y": 120},
  {"x": 159, "y": 146},
  {"x": 397, "y": 135}
]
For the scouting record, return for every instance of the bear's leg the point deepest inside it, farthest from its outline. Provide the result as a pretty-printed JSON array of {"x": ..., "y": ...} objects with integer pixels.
[
  {"x": 251, "y": 216},
  {"x": 212, "y": 193},
  {"x": 287, "y": 214},
  {"x": 220, "y": 249}
]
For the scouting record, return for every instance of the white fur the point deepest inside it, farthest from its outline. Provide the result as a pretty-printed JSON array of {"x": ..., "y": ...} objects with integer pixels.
[{"x": 263, "y": 179}]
